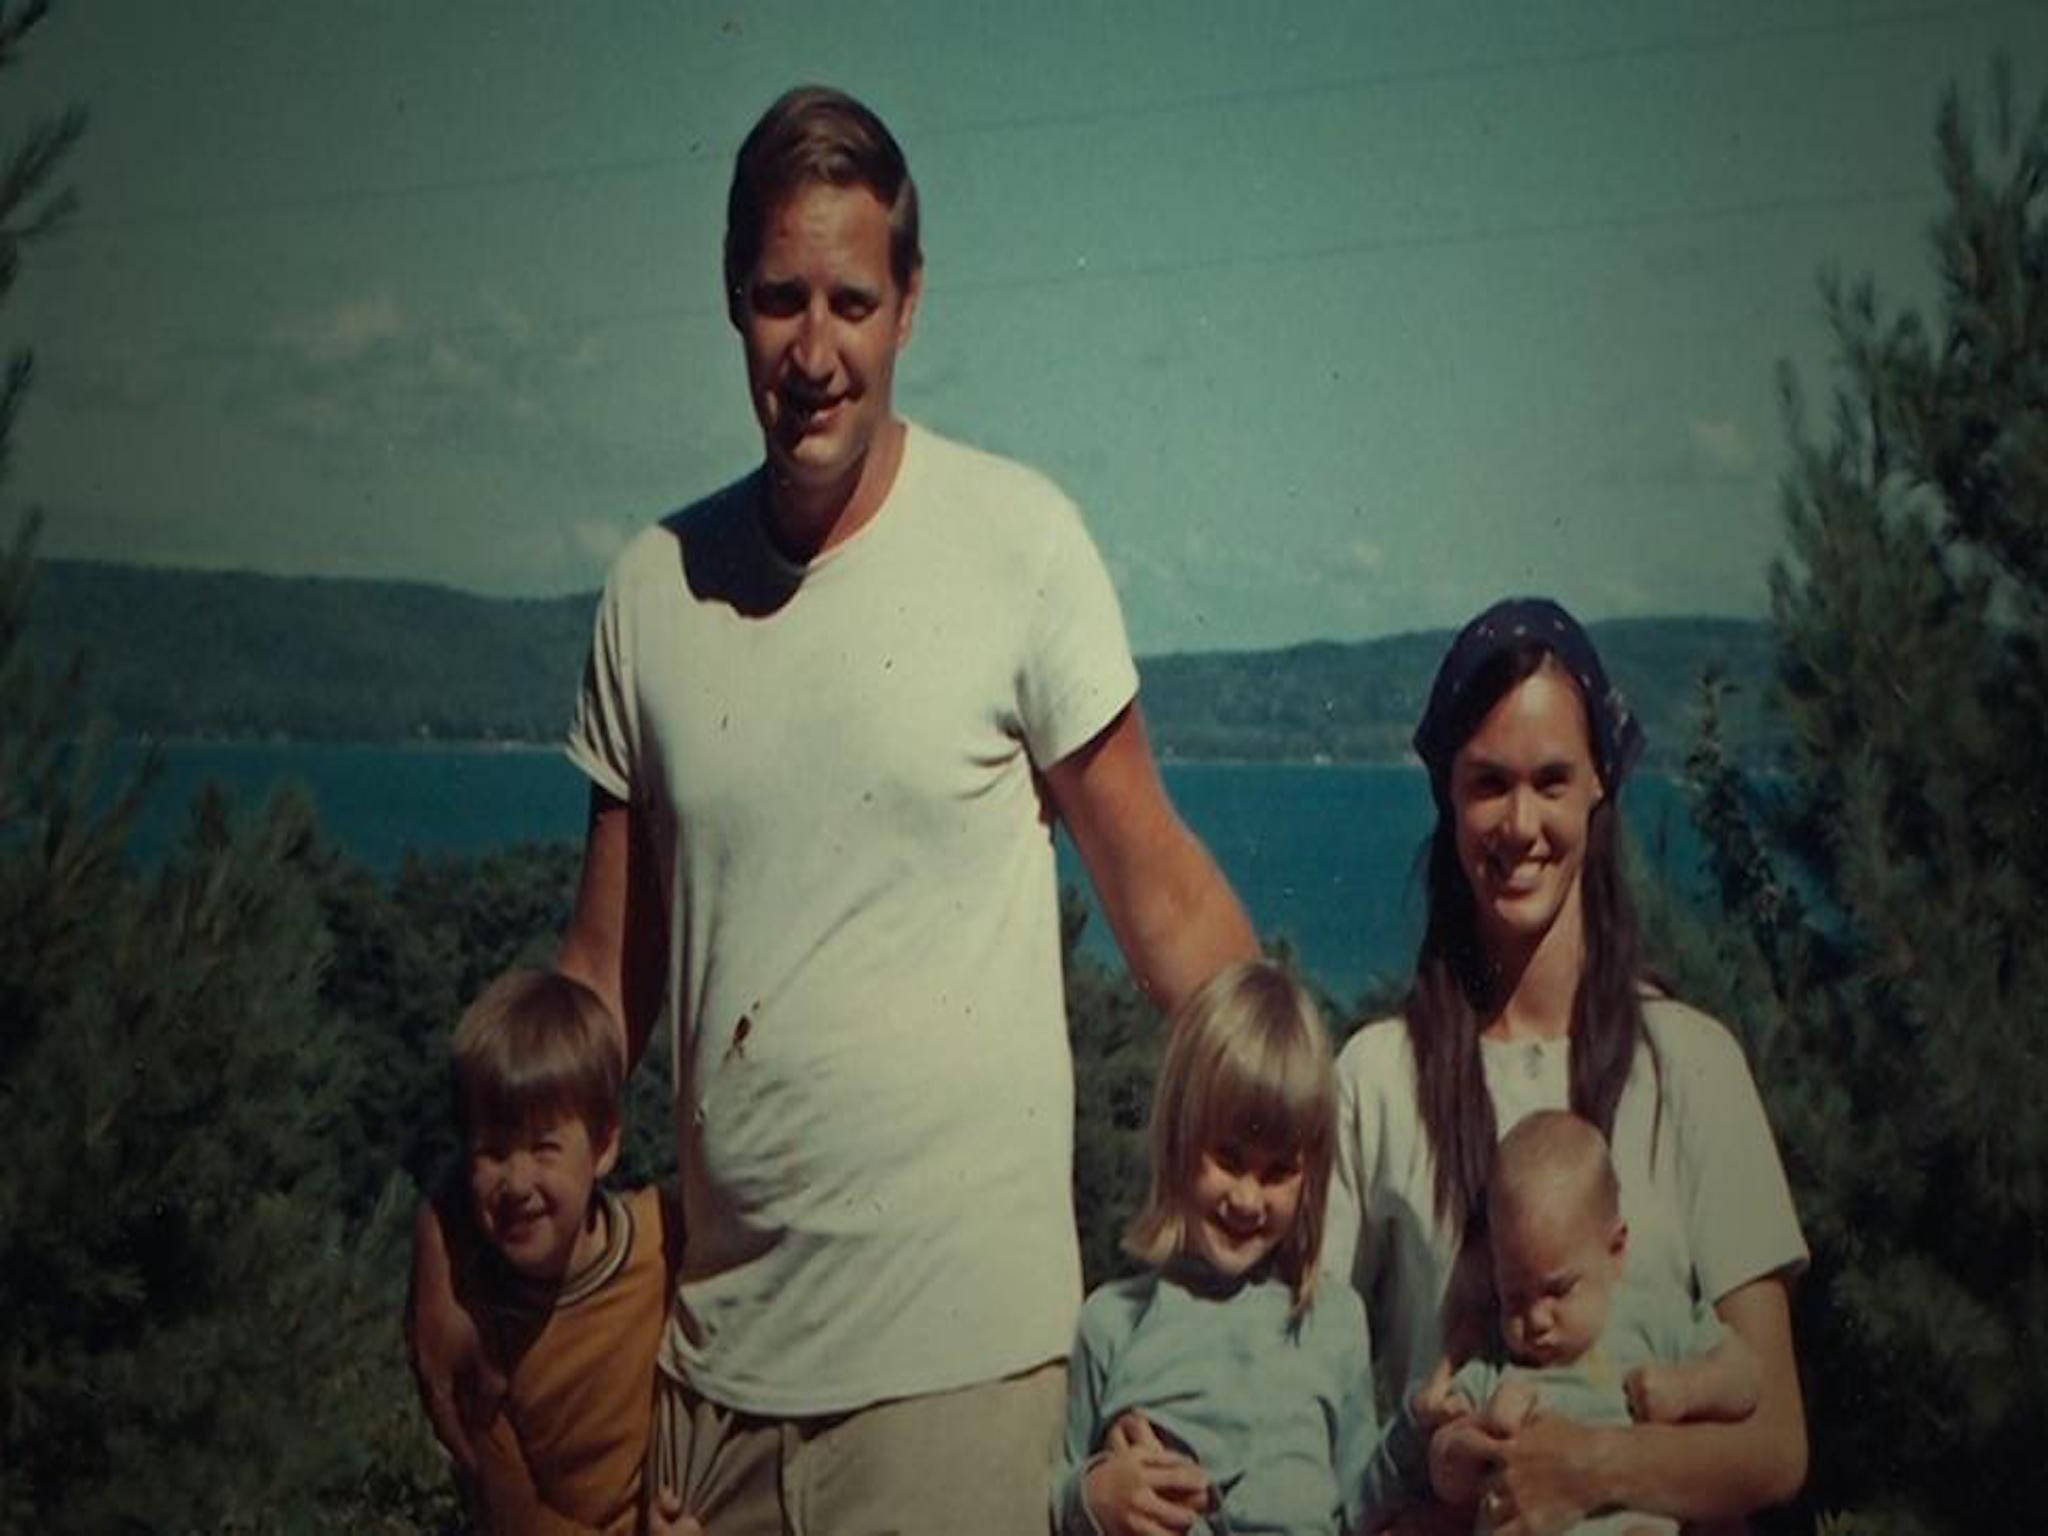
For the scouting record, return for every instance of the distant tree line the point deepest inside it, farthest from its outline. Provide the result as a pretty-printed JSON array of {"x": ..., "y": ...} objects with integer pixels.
[{"x": 215, "y": 654}]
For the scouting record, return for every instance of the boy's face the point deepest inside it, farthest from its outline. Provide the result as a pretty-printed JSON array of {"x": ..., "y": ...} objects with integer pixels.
[
  {"x": 532, "y": 1190},
  {"x": 1555, "y": 1266}
]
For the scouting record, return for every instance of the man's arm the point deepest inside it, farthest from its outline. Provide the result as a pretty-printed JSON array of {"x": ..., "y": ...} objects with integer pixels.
[
  {"x": 616, "y": 942},
  {"x": 459, "y": 1385},
  {"x": 1174, "y": 916}
]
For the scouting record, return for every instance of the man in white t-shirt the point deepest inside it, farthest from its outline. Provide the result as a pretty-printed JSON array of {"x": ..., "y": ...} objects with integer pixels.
[{"x": 829, "y": 714}]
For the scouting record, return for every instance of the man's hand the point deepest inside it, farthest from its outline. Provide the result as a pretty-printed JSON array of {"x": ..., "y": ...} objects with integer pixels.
[
  {"x": 459, "y": 1385},
  {"x": 1134, "y": 1492},
  {"x": 666, "y": 1518}
]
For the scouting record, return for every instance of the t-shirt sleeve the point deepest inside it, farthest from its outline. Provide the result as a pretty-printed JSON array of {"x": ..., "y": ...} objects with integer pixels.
[
  {"x": 1686, "y": 1334},
  {"x": 604, "y": 729},
  {"x": 1738, "y": 1207},
  {"x": 1077, "y": 672}
]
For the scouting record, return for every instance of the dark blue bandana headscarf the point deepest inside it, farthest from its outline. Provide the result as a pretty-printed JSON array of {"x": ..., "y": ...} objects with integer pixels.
[{"x": 1617, "y": 734}]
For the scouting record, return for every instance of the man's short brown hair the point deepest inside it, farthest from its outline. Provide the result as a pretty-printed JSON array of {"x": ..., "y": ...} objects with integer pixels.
[{"x": 815, "y": 136}]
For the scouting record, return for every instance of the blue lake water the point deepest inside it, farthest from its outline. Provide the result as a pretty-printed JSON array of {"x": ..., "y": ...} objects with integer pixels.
[{"x": 1325, "y": 855}]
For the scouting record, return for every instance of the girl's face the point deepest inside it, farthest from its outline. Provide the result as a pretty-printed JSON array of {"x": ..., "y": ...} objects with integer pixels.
[
  {"x": 1522, "y": 792},
  {"x": 1243, "y": 1203}
]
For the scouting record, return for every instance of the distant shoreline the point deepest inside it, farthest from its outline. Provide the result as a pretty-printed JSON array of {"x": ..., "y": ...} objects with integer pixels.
[
  {"x": 133, "y": 742},
  {"x": 506, "y": 744},
  {"x": 345, "y": 743}
]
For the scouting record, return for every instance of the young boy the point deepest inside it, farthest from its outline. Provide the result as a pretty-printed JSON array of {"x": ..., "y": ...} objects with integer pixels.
[
  {"x": 1576, "y": 1343},
  {"x": 569, "y": 1282}
]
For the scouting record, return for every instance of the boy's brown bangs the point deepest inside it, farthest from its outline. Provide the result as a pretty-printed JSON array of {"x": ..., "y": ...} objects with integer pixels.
[
  {"x": 523, "y": 1105},
  {"x": 531, "y": 1052}
]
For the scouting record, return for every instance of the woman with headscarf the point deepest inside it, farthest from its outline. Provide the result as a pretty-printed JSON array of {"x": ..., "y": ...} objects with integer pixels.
[{"x": 1529, "y": 994}]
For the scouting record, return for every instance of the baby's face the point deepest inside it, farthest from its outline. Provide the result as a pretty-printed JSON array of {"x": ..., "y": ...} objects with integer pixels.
[{"x": 1555, "y": 1267}]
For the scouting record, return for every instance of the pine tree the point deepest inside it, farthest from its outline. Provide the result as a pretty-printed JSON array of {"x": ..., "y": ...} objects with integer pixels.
[
  {"x": 1117, "y": 1037},
  {"x": 196, "y": 1337},
  {"x": 1888, "y": 890}
]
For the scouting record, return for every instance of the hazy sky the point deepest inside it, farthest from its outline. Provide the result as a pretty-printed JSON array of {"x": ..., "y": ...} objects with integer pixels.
[{"x": 1338, "y": 319}]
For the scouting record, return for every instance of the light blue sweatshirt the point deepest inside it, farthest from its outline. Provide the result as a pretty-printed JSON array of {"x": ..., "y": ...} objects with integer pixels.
[{"x": 1279, "y": 1414}]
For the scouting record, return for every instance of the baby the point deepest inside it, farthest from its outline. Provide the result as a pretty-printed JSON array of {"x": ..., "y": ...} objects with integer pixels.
[{"x": 1572, "y": 1340}]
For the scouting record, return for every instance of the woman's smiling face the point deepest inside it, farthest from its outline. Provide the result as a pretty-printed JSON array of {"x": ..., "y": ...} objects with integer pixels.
[{"x": 1522, "y": 792}]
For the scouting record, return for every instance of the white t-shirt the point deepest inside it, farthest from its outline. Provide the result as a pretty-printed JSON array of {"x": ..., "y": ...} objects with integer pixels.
[
  {"x": 1709, "y": 1213},
  {"x": 873, "y": 1091}
]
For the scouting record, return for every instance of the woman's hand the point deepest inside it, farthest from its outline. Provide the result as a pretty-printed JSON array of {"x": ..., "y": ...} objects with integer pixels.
[
  {"x": 1431, "y": 1519},
  {"x": 1463, "y": 1455},
  {"x": 1544, "y": 1478}
]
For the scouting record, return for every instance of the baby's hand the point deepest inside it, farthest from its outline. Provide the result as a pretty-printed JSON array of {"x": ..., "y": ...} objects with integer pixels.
[
  {"x": 1140, "y": 1492},
  {"x": 1436, "y": 1402},
  {"x": 1656, "y": 1393},
  {"x": 1513, "y": 1401}
]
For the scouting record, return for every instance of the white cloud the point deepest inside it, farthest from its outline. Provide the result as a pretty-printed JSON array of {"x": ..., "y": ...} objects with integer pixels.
[
  {"x": 596, "y": 541},
  {"x": 455, "y": 365},
  {"x": 1359, "y": 557},
  {"x": 1722, "y": 446},
  {"x": 353, "y": 328}
]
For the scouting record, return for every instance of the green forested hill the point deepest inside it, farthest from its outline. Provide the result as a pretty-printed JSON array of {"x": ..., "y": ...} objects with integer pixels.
[
  {"x": 182, "y": 653},
  {"x": 1360, "y": 702},
  {"x": 230, "y": 654}
]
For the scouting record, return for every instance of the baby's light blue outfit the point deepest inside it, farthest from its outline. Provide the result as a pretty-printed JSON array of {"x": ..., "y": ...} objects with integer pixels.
[
  {"x": 1641, "y": 1327},
  {"x": 1279, "y": 1414}
]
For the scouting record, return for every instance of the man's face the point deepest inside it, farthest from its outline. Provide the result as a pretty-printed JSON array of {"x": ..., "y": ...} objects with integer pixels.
[
  {"x": 1555, "y": 1267},
  {"x": 822, "y": 320}
]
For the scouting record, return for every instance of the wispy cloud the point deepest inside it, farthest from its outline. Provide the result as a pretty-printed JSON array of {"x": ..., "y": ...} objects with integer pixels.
[
  {"x": 1703, "y": 450},
  {"x": 596, "y": 541},
  {"x": 375, "y": 373},
  {"x": 352, "y": 329},
  {"x": 1722, "y": 446}
]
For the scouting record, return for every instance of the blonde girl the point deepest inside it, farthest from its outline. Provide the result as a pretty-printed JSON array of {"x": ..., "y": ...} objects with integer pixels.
[{"x": 1240, "y": 1397}]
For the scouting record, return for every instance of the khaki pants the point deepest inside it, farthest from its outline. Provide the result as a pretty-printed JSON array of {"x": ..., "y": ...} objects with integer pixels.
[{"x": 975, "y": 1460}]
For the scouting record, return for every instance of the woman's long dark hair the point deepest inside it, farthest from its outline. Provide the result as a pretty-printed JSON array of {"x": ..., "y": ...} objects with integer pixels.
[{"x": 1457, "y": 987}]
